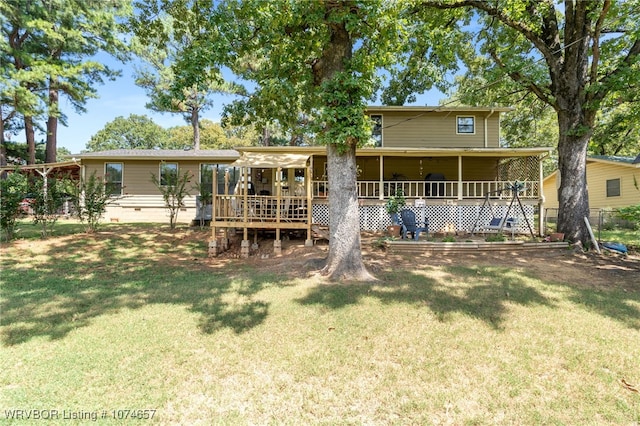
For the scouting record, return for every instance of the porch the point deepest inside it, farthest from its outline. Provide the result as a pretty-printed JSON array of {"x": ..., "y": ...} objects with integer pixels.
[{"x": 483, "y": 188}]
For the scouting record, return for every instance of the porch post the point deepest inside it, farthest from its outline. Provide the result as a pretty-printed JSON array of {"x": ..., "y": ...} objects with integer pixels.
[
  {"x": 459, "y": 177},
  {"x": 308, "y": 175},
  {"x": 277, "y": 243},
  {"x": 244, "y": 245},
  {"x": 213, "y": 243},
  {"x": 541, "y": 218},
  {"x": 381, "y": 183}
]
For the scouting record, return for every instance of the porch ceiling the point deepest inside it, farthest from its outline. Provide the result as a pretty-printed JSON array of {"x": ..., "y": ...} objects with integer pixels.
[{"x": 272, "y": 160}]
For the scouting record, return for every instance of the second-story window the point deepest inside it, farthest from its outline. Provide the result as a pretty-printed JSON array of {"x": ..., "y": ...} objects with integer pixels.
[
  {"x": 376, "y": 130},
  {"x": 466, "y": 125},
  {"x": 168, "y": 174}
]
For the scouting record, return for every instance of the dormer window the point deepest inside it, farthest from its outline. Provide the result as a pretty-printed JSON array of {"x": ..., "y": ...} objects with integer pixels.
[{"x": 466, "y": 125}]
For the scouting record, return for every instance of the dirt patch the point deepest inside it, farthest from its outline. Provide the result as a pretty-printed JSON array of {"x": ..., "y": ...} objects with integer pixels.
[{"x": 563, "y": 266}]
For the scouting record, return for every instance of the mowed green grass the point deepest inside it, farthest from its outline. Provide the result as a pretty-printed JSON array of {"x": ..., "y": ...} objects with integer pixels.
[{"x": 138, "y": 318}]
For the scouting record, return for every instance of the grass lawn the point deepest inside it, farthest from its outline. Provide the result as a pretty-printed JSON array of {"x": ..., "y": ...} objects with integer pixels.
[{"x": 138, "y": 318}]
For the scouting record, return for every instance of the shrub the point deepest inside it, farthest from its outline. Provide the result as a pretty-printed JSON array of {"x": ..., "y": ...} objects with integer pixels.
[
  {"x": 631, "y": 214},
  {"x": 12, "y": 192},
  {"x": 496, "y": 238},
  {"x": 49, "y": 197},
  {"x": 90, "y": 199},
  {"x": 173, "y": 190}
]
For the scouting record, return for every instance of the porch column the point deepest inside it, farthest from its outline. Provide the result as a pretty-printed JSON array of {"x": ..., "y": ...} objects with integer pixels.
[
  {"x": 381, "y": 182},
  {"x": 541, "y": 219},
  {"x": 459, "y": 177},
  {"x": 308, "y": 174},
  {"x": 214, "y": 249},
  {"x": 244, "y": 244},
  {"x": 277, "y": 243}
]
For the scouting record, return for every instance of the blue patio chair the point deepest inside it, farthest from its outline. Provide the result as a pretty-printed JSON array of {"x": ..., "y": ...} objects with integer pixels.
[{"x": 409, "y": 224}]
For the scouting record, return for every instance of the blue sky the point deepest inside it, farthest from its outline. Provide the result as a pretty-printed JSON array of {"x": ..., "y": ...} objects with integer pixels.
[{"x": 122, "y": 98}]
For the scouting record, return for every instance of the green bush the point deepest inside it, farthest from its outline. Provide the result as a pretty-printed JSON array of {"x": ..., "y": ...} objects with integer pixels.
[
  {"x": 13, "y": 189},
  {"x": 174, "y": 190},
  {"x": 90, "y": 199},
  {"x": 631, "y": 214},
  {"x": 496, "y": 238},
  {"x": 49, "y": 195}
]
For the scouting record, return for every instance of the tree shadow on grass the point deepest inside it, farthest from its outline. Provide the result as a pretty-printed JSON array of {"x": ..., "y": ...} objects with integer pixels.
[
  {"x": 71, "y": 284},
  {"x": 459, "y": 289},
  {"x": 480, "y": 292}
]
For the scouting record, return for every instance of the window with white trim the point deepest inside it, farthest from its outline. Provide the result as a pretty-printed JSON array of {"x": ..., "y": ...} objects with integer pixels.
[
  {"x": 465, "y": 125},
  {"x": 113, "y": 178}
]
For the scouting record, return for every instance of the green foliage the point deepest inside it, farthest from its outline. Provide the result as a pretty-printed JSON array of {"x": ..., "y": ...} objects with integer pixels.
[
  {"x": 496, "y": 238},
  {"x": 449, "y": 239},
  {"x": 49, "y": 195},
  {"x": 213, "y": 136},
  {"x": 133, "y": 132},
  {"x": 173, "y": 188},
  {"x": 17, "y": 152},
  {"x": 90, "y": 199},
  {"x": 206, "y": 197},
  {"x": 395, "y": 202},
  {"x": 13, "y": 189},
  {"x": 47, "y": 52},
  {"x": 182, "y": 59},
  {"x": 630, "y": 213},
  {"x": 618, "y": 126}
]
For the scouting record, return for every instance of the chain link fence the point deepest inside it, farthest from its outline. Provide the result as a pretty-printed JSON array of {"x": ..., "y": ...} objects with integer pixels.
[{"x": 600, "y": 220}]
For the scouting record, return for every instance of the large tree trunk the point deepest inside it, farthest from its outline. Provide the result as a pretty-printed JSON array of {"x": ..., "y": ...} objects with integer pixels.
[
  {"x": 573, "y": 196},
  {"x": 344, "y": 261},
  {"x": 3, "y": 149},
  {"x": 345, "y": 255},
  {"x": 196, "y": 129},
  {"x": 51, "y": 148},
  {"x": 31, "y": 139}
]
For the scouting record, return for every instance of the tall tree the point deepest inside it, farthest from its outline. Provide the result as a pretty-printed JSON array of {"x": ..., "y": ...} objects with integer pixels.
[
  {"x": 16, "y": 57},
  {"x": 320, "y": 58},
  {"x": 570, "y": 55},
  {"x": 51, "y": 42},
  {"x": 182, "y": 67},
  {"x": 324, "y": 59}
]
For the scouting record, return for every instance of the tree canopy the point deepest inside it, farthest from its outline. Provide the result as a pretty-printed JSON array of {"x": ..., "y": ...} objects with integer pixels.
[
  {"x": 133, "y": 132},
  {"x": 182, "y": 57},
  {"x": 47, "y": 52},
  {"x": 570, "y": 55}
]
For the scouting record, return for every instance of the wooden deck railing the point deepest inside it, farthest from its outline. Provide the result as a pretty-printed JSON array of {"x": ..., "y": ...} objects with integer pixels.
[
  {"x": 260, "y": 208},
  {"x": 436, "y": 189}
]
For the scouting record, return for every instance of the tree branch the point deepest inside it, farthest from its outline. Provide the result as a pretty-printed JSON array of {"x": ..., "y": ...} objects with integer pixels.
[
  {"x": 518, "y": 77},
  {"x": 497, "y": 13},
  {"x": 596, "y": 40},
  {"x": 626, "y": 62}
]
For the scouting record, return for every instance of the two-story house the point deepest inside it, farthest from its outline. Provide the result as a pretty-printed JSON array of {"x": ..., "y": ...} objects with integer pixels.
[{"x": 446, "y": 160}]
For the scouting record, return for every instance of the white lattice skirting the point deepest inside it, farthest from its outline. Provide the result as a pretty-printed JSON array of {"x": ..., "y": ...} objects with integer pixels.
[{"x": 442, "y": 218}]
